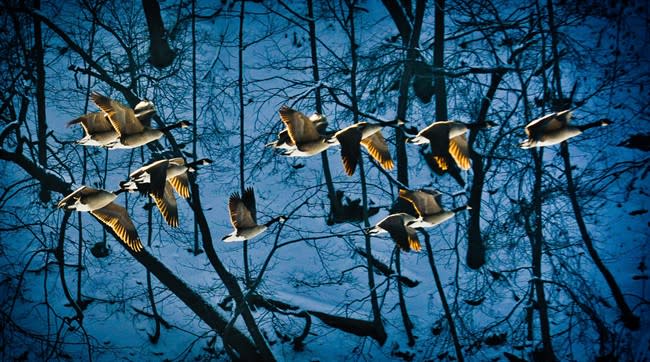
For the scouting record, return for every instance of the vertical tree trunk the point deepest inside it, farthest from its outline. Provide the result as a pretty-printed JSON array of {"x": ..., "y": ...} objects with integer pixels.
[
  {"x": 438, "y": 61},
  {"x": 410, "y": 38},
  {"x": 335, "y": 207},
  {"x": 41, "y": 125},
  {"x": 240, "y": 81},
  {"x": 475, "y": 257},
  {"x": 537, "y": 245},
  {"x": 443, "y": 298},
  {"x": 376, "y": 311},
  {"x": 161, "y": 54},
  {"x": 196, "y": 249},
  {"x": 156, "y": 335},
  {"x": 630, "y": 320},
  {"x": 408, "y": 325}
]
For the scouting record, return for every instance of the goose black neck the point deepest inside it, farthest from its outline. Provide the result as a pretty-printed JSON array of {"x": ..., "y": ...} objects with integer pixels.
[
  {"x": 273, "y": 220},
  {"x": 173, "y": 126},
  {"x": 201, "y": 162},
  {"x": 592, "y": 125},
  {"x": 117, "y": 192},
  {"x": 459, "y": 209},
  {"x": 477, "y": 125}
]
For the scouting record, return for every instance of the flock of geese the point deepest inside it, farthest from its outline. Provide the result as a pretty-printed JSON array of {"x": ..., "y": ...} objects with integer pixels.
[{"x": 117, "y": 126}]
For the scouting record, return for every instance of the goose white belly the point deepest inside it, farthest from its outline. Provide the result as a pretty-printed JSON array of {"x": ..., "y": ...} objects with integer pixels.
[
  {"x": 244, "y": 234},
  {"x": 433, "y": 220},
  {"x": 93, "y": 202},
  {"x": 420, "y": 140},
  {"x": 310, "y": 150},
  {"x": 554, "y": 138},
  {"x": 99, "y": 139}
]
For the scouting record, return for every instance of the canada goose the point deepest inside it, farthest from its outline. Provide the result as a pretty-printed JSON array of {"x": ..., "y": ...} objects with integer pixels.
[
  {"x": 400, "y": 230},
  {"x": 427, "y": 205},
  {"x": 132, "y": 133},
  {"x": 366, "y": 134},
  {"x": 302, "y": 133},
  {"x": 159, "y": 179},
  {"x": 98, "y": 130},
  {"x": 173, "y": 170},
  {"x": 100, "y": 205},
  {"x": 555, "y": 128},
  {"x": 448, "y": 138},
  {"x": 284, "y": 141},
  {"x": 243, "y": 217}
]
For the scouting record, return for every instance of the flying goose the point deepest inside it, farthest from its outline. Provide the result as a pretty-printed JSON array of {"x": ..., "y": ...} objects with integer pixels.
[
  {"x": 447, "y": 138},
  {"x": 284, "y": 142},
  {"x": 303, "y": 134},
  {"x": 100, "y": 205},
  {"x": 243, "y": 217},
  {"x": 555, "y": 128},
  {"x": 98, "y": 130},
  {"x": 366, "y": 134},
  {"x": 427, "y": 205},
  {"x": 399, "y": 227},
  {"x": 159, "y": 179},
  {"x": 132, "y": 133}
]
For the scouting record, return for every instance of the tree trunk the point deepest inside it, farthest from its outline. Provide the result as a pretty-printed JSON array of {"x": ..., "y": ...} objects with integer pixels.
[
  {"x": 376, "y": 311},
  {"x": 41, "y": 125},
  {"x": 235, "y": 338},
  {"x": 159, "y": 50},
  {"x": 443, "y": 298},
  {"x": 335, "y": 206},
  {"x": 475, "y": 248},
  {"x": 537, "y": 245}
]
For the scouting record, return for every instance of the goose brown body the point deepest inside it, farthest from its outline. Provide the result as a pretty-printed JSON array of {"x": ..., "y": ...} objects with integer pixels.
[
  {"x": 555, "y": 128},
  {"x": 305, "y": 139},
  {"x": 243, "y": 216},
  {"x": 159, "y": 179},
  {"x": 398, "y": 226},
  {"x": 98, "y": 130},
  {"x": 132, "y": 133},
  {"x": 447, "y": 138},
  {"x": 99, "y": 203},
  {"x": 366, "y": 134},
  {"x": 428, "y": 207}
]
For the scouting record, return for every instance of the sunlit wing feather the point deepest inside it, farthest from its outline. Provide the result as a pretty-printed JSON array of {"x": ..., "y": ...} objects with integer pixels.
[
  {"x": 378, "y": 149},
  {"x": 459, "y": 150},
  {"x": 301, "y": 129},
  {"x": 400, "y": 233},
  {"x": 240, "y": 216},
  {"x": 121, "y": 117},
  {"x": 116, "y": 217},
  {"x": 95, "y": 122},
  {"x": 167, "y": 205},
  {"x": 425, "y": 203},
  {"x": 181, "y": 184},
  {"x": 549, "y": 122},
  {"x": 413, "y": 241},
  {"x": 442, "y": 162}
]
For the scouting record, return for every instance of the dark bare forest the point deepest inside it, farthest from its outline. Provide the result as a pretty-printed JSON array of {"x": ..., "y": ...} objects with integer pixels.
[{"x": 403, "y": 180}]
